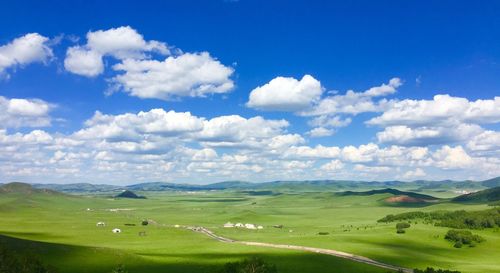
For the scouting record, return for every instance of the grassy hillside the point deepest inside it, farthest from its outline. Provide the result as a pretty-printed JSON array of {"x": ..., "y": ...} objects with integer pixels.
[
  {"x": 388, "y": 191},
  {"x": 129, "y": 194},
  {"x": 488, "y": 195},
  {"x": 65, "y": 226},
  {"x": 491, "y": 183}
]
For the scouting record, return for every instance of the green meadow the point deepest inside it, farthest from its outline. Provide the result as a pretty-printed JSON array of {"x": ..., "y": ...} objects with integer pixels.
[{"x": 61, "y": 230}]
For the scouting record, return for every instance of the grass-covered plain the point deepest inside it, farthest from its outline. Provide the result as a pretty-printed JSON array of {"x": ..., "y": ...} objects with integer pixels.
[{"x": 61, "y": 230}]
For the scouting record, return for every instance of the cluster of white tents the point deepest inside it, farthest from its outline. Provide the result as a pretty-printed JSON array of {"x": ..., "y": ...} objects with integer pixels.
[
  {"x": 102, "y": 224},
  {"x": 241, "y": 225}
]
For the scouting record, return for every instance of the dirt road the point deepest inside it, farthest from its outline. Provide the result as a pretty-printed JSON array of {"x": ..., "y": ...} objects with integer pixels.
[{"x": 331, "y": 252}]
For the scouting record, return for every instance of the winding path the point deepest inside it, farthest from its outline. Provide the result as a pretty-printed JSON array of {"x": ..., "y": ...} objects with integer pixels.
[{"x": 331, "y": 252}]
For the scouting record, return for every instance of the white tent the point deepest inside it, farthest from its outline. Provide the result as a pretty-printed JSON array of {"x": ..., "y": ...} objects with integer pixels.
[
  {"x": 250, "y": 226},
  {"x": 100, "y": 224},
  {"x": 228, "y": 225},
  {"x": 239, "y": 225},
  {"x": 260, "y": 227},
  {"x": 117, "y": 230}
]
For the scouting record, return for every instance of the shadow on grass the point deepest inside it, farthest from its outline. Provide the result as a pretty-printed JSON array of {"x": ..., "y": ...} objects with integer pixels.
[
  {"x": 221, "y": 200},
  {"x": 79, "y": 259}
]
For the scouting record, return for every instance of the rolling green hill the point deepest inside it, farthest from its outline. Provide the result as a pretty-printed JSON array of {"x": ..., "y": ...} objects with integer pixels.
[
  {"x": 129, "y": 194},
  {"x": 484, "y": 196},
  {"x": 23, "y": 188},
  {"x": 390, "y": 191},
  {"x": 491, "y": 183}
]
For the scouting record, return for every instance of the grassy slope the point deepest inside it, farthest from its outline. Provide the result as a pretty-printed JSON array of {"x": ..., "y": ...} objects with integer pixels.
[
  {"x": 64, "y": 221},
  {"x": 73, "y": 243},
  {"x": 488, "y": 195}
]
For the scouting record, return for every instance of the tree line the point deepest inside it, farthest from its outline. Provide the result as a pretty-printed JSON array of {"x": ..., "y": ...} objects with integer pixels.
[{"x": 459, "y": 219}]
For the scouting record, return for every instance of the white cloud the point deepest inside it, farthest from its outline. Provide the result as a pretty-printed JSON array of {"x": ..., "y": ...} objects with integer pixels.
[
  {"x": 320, "y": 132},
  {"x": 442, "y": 110},
  {"x": 363, "y": 153},
  {"x": 371, "y": 169},
  {"x": 136, "y": 127},
  {"x": 286, "y": 94},
  {"x": 24, "y": 112},
  {"x": 121, "y": 43},
  {"x": 417, "y": 173},
  {"x": 333, "y": 165},
  {"x": 24, "y": 50},
  {"x": 452, "y": 158},
  {"x": 284, "y": 141},
  {"x": 237, "y": 131},
  {"x": 487, "y": 141},
  {"x": 353, "y": 103},
  {"x": 442, "y": 120},
  {"x": 193, "y": 75},
  {"x": 404, "y": 135},
  {"x": 329, "y": 121},
  {"x": 316, "y": 152},
  {"x": 140, "y": 74},
  {"x": 83, "y": 62},
  {"x": 205, "y": 154}
]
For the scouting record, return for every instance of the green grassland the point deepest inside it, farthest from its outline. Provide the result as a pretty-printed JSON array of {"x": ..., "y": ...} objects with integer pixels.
[{"x": 63, "y": 233}]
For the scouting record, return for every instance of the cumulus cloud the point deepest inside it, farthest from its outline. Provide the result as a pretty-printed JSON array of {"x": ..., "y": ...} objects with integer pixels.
[
  {"x": 193, "y": 75},
  {"x": 441, "y": 110},
  {"x": 487, "y": 141},
  {"x": 140, "y": 73},
  {"x": 237, "y": 131},
  {"x": 353, "y": 102},
  {"x": 24, "y": 112},
  {"x": 371, "y": 169},
  {"x": 404, "y": 135},
  {"x": 286, "y": 94},
  {"x": 412, "y": 174},
  {"x": 333, "y": 165},
  {"x": 120, "y": 43},
  {"x": 156, "y": 145},
  {"x": 83, "y": 62},
  {"x": 320, "y": 132},
  {"x": 136, "y": 127},
  {"x": 304, "y": 98},
  {"x": 442, "y": 120},
  {"x": 330, "y": 121},
  {"x": 452, "y": 158},
  {"x": 24, "y": 50}
]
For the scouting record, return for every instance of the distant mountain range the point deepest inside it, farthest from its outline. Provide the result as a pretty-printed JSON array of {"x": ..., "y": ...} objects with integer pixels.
[
  {"x": 304, "y": 186},
  {"x": 489, "y": 195}
]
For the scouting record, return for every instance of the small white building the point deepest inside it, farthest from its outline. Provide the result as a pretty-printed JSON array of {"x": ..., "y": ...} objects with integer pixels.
[
  {"x": 100, "y": 224},
  {"x": 260, "y": 227},
  {"x": 228, "y": 225},
  {"x": 239, "y": 225},
  {"x": 117, "y": 230},
  {"x": 250, "y": 226}
]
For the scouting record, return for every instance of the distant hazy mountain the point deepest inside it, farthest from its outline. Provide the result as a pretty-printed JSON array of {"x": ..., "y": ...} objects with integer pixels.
[
  {"x": 490, "y": 183},
  {"x": 80, "y": 187},
  {"x": 308, "y": 185}
]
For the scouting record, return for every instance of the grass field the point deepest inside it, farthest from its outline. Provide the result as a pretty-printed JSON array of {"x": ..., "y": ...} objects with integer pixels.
[{"x": 61, "y": 230}]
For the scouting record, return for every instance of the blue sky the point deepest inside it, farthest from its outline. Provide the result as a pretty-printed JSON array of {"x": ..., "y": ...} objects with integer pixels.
[{"x": 204, "y": 91}]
